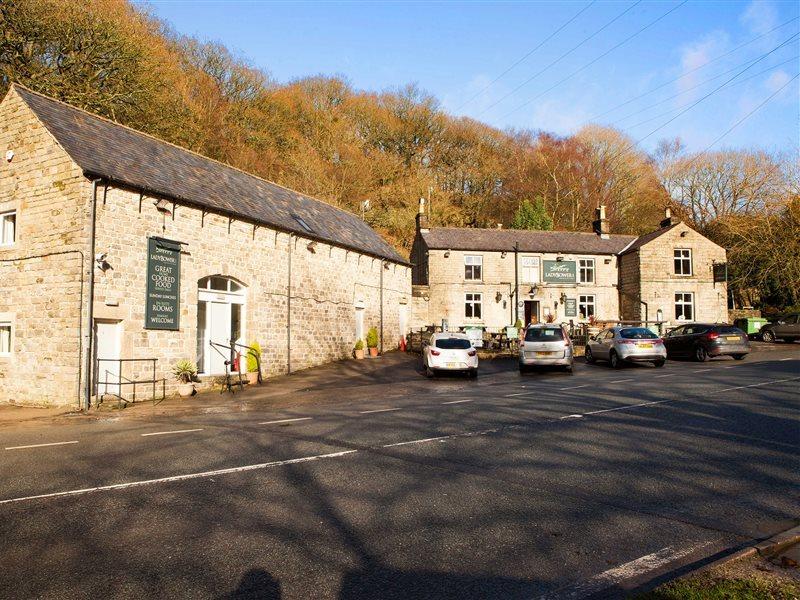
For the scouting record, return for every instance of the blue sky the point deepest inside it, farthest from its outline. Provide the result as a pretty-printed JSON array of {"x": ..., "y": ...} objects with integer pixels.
[{"x": 455, "y": 50}]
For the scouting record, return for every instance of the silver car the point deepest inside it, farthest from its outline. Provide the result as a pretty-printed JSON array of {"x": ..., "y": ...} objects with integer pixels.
[
  {"x": 545, "y": 345},
  {"x": 626, "y": 344}
]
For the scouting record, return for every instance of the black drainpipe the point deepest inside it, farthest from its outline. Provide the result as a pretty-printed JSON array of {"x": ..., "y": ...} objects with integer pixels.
[
  {"x": 646, "y": 312},
  {"x": 90, "y": 299},
  {"x": 516, "y": 282},
  {"x": 289, "y": 312},
  {"x": 383, "y": 264}
]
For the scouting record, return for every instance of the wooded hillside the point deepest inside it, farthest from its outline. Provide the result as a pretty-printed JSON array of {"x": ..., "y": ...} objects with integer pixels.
[{"x": 321, "y": 136}]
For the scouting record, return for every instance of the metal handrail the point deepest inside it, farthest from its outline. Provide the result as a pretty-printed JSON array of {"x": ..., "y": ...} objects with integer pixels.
[
  {"x": 230, "y": 347},
  {"x": 127, "y": 381},
  {"x": 256, "y": 353}
]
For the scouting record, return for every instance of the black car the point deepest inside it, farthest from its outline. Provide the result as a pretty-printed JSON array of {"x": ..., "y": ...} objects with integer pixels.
[
  {"x": 703, "y": 340},
  {"x": 786, "y": 329}
]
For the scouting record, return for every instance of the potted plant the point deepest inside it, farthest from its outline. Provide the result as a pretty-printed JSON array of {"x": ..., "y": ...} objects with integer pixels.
[
  {"x": 253, "y": 363},
  {"x": 550, "y": 318},
  {"x": 185, "y": 372},
  {"x": 594, "y": 326},
  {"x": 358, "y": 351},
  {"x": 372, "y": 341}
]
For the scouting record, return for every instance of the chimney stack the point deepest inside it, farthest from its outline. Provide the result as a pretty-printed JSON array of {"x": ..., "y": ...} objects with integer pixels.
[
  {"x": 600, "y": 224},
  {"x": 668, "y": 218},
  {"x": 422, "y": 218}
]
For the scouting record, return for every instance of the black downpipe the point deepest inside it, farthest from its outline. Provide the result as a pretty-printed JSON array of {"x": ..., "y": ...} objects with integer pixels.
[
  {"x": 516, "y": 282},
  {"x": 90, "y": 299},
  {"x": 289, "y": 312},
  {"x": 646, "y": 312}
]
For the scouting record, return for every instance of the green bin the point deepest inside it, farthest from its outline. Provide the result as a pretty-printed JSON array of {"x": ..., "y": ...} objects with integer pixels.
[{"x": 751, "y": 325}]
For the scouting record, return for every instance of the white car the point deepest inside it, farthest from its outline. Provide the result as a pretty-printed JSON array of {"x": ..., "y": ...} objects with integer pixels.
[{"x": 450, "y": 352}]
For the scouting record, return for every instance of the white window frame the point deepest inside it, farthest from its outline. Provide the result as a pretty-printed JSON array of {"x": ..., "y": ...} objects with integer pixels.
[
  {"x": 584, "y": 302},
  {"x": 473, "y": 300},
  {"x": 7, "y": 324},
  {"x": 535, "y": 266},
  {"x": 678, "y": 255},
  {"x": 683, "y": 304},
  {"x": 3, "y": 242},
  {"x": 588, "y": 267},
  {"x": 471, "y": 261}
]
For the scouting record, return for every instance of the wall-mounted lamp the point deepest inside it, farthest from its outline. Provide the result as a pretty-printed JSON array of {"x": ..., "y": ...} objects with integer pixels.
[
  {"x": 386, "y": 266},
  {"x": 162, "y": 206},
  {"x": 312, "y": 247},
  {"x": 533, "y": 290},
  {"x": 498, "y": 296},
  {"x": 447, "y": 254},
  {"x": 563, "y": 297},
  {"x": 607, "y": 261},
  {"x": 659, "y": 315},
  {"x": 102, "y": 263},
  {"x": 503, "y": 254},
  {"x": 559, "y": 258}
]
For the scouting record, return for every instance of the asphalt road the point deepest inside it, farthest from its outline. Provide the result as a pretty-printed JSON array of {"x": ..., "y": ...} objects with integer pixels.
[{"x": 390, "y": 485}]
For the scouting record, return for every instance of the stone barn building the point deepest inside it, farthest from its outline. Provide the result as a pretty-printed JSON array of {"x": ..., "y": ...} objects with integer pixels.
[{"x": 118, "y": 245}]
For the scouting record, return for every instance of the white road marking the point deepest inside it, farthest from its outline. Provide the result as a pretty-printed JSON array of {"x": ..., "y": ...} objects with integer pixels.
[
  {"x": 623, "y": 572},
  {"x": 660, "y": 376},
  {"x": 422, "y": 441},
  {"x": 377, "y": 410},
  {"x": 620, "y": 380},
  {"x": 575, "y": 387},
  {"x": 784, "y": 359},
  {"x": 41, "y": 445},
  {"x": 459, "y": 401},
  {"x": 203, "y": 474},
  {"x": 285, "y": 421},
  {"x": 701, "y": 371},
  {"x": 572, "y": 417},
  {"x": 752, "y": 385},
  {"x": 171, "y": 432}
]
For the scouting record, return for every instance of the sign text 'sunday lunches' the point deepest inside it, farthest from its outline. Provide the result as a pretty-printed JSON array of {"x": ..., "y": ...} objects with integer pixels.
[{"x": 162, "y": 309}]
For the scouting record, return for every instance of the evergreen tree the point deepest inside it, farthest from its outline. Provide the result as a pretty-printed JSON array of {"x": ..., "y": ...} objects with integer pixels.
[{"x": 532, "y": 215}]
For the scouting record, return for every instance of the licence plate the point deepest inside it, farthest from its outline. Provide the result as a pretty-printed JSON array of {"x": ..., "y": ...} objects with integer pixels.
[
  {"x": 545, "y": 353},
  {"x": 645, "y": 345},
  {"x": 732, "y": 338},
  {"x": 452, "y": 365}
]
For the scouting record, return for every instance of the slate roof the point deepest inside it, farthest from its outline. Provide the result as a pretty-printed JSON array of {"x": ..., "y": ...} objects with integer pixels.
[
  {"x": 122, "y": 155},
  {"x": 649, "y": 237},
  {"x": 567, "y": 242}
]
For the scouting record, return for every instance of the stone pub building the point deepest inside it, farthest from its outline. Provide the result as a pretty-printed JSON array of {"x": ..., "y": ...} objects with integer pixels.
[{"x": 117, "y": 245}]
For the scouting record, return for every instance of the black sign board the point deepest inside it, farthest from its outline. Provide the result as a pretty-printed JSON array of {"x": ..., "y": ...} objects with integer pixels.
[
  {"x": 162, "y": 310},
  {"x": 570, "y": 307},
  {"x": 720, "y": 272}
]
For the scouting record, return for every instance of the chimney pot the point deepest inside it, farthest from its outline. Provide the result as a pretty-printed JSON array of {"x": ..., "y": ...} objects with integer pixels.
[{"x": 600, "y": 224}]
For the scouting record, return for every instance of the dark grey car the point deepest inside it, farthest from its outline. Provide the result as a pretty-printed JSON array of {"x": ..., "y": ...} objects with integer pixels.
[{"x": 786, "y": 329}]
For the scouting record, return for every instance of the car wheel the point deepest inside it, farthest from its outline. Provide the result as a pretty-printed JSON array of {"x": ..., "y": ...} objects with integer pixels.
[
  {"x": 429, "y": 372},
  {"x": 659, "y": 363},
  {"x": 739, "y": 356},
  {"x": 473, "y": 374},
  {"x": 523, "y": 369},
  {"x": 700, "y": 354},
  {"x": 616, "y": 363},
  {"x": 768, "y": 336},
  {"x": 588, "y": 355}
]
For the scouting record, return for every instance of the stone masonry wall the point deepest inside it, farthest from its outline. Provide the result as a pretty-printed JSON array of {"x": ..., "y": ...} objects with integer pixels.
[
  {"x": 41, "y": 274},
  {"x": 326, "y": 286},
  {"x": 659, "y": 282},
  {"x": 448, "y": 288}
]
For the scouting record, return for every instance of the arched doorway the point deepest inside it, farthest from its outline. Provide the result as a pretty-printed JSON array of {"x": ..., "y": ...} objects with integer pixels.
[{"x": 220, "y": 319}]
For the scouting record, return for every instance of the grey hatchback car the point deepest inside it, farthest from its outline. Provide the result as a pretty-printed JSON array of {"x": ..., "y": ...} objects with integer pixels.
[
  {"x": 545, "y": 345},
  {"x": 618, "y": 345}
]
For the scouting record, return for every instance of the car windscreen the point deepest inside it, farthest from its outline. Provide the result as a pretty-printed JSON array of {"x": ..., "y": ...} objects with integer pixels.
[
  {"x": 453, "y": 344},
  {"x": 637, "y": 333},
  {"x": 544, "y": 334}
]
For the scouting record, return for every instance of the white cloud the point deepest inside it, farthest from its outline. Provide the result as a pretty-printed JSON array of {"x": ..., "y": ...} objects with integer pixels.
[
  {"x": 697, "y": 54},
  {"x": 558, "y": 116},
  {"x": 760, "y": 16},
  {"x": 776, "y": 80}
]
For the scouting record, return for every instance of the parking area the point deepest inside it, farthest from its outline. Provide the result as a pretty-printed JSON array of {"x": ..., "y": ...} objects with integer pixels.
[{"x": 367, "y": 479}]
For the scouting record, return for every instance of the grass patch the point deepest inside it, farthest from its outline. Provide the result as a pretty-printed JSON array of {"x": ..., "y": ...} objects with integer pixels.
[{"x": 710, "y": 588}]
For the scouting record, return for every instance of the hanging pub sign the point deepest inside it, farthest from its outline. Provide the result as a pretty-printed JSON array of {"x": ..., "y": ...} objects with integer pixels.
[
  {"x": 162, "y": 310},
  {"x": 570, "y": 307},
  {"x": 720, "y": 272},
  {"x": 559, "y": 271}
]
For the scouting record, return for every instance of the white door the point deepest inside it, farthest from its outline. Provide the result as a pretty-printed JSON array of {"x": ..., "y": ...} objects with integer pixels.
[
  {"x": 359, "y": 323},
  {"x": 219, "y": 332},
  {"x": 107, "y": 346}
]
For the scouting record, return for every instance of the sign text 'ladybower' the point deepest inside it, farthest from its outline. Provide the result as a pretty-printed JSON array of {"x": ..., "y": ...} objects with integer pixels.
[{"x": 559, "y": 271}]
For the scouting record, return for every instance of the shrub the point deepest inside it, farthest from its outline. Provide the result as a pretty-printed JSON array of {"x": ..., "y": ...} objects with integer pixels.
[
  {"x": 372, "y": 337},
  {"x": 359, "y": 345},
  {"x": 518, "y": 324},
  {"x": 185, "y": 371},
  {"x": 253, "y": 357}
]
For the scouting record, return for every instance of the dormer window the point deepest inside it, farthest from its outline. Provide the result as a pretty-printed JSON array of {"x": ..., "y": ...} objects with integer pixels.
[
  {"x": 303, "y": 224},
  {"x": 8, "y": 228}
]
